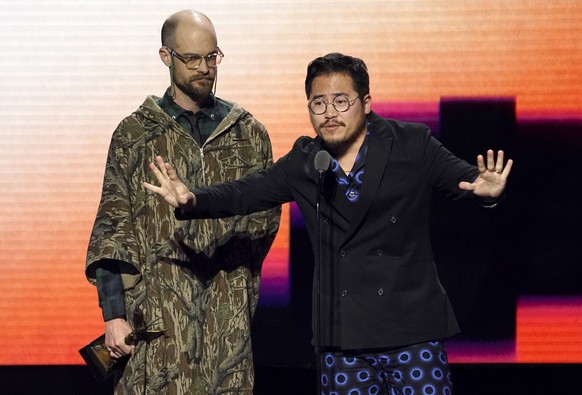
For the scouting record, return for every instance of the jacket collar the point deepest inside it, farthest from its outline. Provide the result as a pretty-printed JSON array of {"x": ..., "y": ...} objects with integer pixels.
[
  {"x": 152, "y": 112},
  {"x": 212, "y": 108},
  {"x": 379, "y": 148}
]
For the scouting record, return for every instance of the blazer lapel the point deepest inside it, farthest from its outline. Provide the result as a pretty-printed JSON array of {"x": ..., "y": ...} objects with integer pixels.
[
  {"x": 336, "y": 199},
  {"x": 333, "y": 201},
  {"x": 379, "y": 148}
]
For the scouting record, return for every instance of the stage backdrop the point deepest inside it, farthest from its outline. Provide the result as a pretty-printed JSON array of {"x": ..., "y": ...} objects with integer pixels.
[{"x": 72, "y": 69}]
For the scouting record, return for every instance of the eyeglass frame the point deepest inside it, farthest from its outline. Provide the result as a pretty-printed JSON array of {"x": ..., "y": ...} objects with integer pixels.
[
  {"x": 350, "y": 104},
  {"x": 185, "y": 59}
]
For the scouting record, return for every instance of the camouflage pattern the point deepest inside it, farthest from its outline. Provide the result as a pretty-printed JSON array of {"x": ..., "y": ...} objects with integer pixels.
[{"x": 197, "y": 280}]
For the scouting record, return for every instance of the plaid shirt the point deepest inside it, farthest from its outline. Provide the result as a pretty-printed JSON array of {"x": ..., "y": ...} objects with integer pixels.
[
  {"x": 110, "y": 290},
  {"x": 201, "y": 125}
]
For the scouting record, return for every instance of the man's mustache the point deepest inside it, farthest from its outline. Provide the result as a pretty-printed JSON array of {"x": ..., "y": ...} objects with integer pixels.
[{"x": 331, "y": 122}]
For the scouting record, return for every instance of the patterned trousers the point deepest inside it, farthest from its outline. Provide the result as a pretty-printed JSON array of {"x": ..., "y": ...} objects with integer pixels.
[{"x": 419, "y": 369}]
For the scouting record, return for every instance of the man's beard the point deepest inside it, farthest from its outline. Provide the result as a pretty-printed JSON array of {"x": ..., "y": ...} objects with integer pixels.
[
  {"x": 198, "y": 94},
  {"x": 339, "y": 145}
]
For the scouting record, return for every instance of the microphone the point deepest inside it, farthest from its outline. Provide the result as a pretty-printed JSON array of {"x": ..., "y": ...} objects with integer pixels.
[{"x": 322, "y": 161}]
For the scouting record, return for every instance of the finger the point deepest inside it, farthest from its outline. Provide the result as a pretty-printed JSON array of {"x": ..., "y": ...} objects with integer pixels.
[
  {"x": 507, "y": 168},
  {"x": 481, "y": 163},
  {"x": 184, "y": 199},
  {"x": 125, "y": 350},
  {"x": 151, "y": 187},
  {"x": 157, "y": 172},
  {"x": 162, "y": 165},
  {"x": 490, "y": 160},
  {"x": 122, "y": 348},
  {"x": 466, "y": 186},
  {"x": 499, "y": 162},
  {"x": 115, "y": 353},
  {"x": 171, "y": 172}
]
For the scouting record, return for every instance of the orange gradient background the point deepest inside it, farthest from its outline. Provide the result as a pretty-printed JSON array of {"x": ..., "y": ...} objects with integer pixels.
[{"x": 71, "y": 70}]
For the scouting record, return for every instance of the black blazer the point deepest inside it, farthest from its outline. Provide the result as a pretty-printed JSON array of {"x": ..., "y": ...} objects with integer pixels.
[{"x": 380, "y": 285}]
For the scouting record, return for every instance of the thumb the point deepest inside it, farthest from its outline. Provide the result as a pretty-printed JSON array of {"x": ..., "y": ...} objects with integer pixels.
[
  {"x": 185, "y": 198},
  {"x": 466, "y": 186}
]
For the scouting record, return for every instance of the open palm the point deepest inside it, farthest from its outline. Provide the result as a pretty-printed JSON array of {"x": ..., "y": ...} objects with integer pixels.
[{"x": 171, "y": 188}]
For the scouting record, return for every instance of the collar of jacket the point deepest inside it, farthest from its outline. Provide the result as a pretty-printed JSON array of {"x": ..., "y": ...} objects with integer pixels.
[
  {"x": 161, "y": 122},
  {"x": 381, "y": 138}
]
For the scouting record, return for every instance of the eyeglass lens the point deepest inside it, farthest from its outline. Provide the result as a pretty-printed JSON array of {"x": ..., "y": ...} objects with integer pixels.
[
  {"x": 212, "y": 60},
  {"x": 340, "y": 103}
]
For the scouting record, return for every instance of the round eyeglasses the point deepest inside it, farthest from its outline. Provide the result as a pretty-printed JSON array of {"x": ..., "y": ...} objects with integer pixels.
[
  {"x": 341, "y": 103},
  {"x": 194, "y": 61}
]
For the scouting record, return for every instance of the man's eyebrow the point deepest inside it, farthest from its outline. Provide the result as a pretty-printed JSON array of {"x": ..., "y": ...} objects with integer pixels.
[
  {"x": 190, "y": 54},
  {"x": 335, "y": 94}
]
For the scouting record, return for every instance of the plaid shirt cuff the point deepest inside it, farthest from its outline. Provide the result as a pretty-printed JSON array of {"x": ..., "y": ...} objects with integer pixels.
[{"x": 110, "y": 291}]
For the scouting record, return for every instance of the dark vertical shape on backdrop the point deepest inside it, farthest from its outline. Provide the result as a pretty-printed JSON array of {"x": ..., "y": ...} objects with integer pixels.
[{"x": 473, "y": 245}]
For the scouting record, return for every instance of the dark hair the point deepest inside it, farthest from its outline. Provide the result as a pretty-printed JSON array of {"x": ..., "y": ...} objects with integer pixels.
[{"x": 339, "y": 63}]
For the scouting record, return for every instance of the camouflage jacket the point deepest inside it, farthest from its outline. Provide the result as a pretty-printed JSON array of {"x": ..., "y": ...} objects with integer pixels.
[{"x": 196, "y": 280}]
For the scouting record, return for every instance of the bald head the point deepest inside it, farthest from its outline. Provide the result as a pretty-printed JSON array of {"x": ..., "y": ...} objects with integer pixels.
[
  {"x": 185, "y": 22},
  {"x": 189, "y": 36}
]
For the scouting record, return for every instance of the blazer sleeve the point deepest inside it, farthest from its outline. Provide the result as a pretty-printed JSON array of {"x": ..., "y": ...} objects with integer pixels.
[
  {"x": 263, "y": 190},
  {"x": 446, "y": 171}
]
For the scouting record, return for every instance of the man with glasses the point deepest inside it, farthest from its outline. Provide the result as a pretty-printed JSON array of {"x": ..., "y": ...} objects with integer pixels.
[
  {"x": 179, "y": 296},
  {"x": 383, "y": 313}
]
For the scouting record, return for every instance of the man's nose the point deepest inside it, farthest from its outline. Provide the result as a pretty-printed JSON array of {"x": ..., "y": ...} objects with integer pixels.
[
  {"x": 203, "y": 67},
  {"x": 330, "y": 111}
]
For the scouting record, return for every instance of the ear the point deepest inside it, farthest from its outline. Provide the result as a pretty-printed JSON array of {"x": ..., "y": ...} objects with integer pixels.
[
  {"x": 367, "y": 100},
  {"x": 165, "y": 56}
]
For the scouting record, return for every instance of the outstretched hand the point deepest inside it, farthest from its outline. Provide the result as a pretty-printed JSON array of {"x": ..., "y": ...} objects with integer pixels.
[
  {"x": 171, "y": 188},
  {"x": 492, "y": 176}
]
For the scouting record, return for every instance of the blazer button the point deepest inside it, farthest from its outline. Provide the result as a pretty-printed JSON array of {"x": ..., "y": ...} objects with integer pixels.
[
  {"x": 380, "y": 292},
  {"x": 393, "y": 220},
  {"x": 342, "y": 253},
  {"x": 345, "y": 292},
  {"x": 325, "y": 220},
  {"x": 379, "y": 252}
]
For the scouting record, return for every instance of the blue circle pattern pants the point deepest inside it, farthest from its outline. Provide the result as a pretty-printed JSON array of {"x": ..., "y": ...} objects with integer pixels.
[{"x": 420, "y": 369}]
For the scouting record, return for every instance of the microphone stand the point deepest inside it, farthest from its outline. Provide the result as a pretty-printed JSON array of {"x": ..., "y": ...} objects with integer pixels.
[
  {"x": 322, "y": 162},
  {"x": 318, "y": 282}
]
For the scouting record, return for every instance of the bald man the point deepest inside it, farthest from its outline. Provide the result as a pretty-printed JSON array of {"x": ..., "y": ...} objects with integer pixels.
[{"x": 179, "y": 296}]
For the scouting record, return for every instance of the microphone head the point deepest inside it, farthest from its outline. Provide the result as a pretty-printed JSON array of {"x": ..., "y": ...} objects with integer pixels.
[{"x": 322, "y": 161}]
